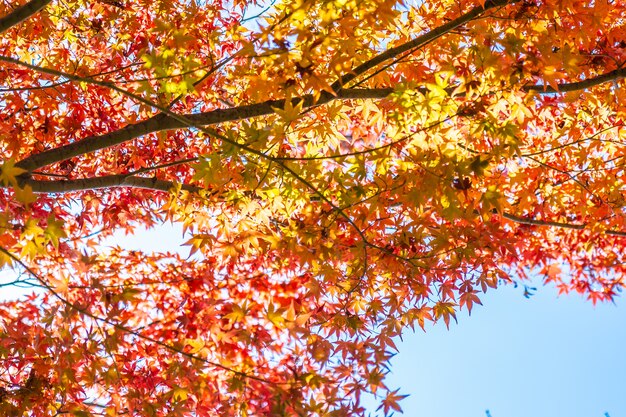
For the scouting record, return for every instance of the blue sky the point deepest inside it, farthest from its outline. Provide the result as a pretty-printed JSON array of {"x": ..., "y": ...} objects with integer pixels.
[{"x": 545, "y": 356}]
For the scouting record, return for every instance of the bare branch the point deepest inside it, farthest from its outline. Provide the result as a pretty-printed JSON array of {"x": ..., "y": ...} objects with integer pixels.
[
  {"x": 109, "y": 181},
  {"x": 22, "y": 13},
  {"x": 578, "y": 85},
  {"x": 162, "y": 122},
  {"x": 419, "y": 41},
  {"x": 547, "y": 223}
]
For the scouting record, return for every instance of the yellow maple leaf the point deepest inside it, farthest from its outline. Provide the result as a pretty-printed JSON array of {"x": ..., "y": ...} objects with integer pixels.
[
  {"x": 25, "y": 195},
  {"x": 54, "y": 230},
  {"x": 290, "y": 112},
  {"x": 179, "y": 394},
  {"x": 9, "y": 172},
  {"x": 275, "y": 315},
  {"x": 196, "y": 345}
]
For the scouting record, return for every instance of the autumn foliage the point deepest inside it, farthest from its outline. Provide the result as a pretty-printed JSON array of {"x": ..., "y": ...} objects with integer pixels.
[{"x": 343, "y": 170}]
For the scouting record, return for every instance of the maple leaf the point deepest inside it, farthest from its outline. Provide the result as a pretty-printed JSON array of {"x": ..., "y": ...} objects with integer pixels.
[
  {"x": 469, "y": 299},
  {"x": 445, "y": 310},
  {"x": 54, "y": 230},
  {"x": 275, "y": 315},
  {"x": 391, "y": 402},
  {"x": 552, "y": 272},
  {"x": 9, "y": 172},
  {"x": 25, "y": 195},
  {"x": 290, "y": 112}
]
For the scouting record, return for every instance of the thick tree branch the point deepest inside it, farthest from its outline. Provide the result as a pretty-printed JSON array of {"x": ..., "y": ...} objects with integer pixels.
[
  {"x": 168, "y": 121},
  {"x": 93, "y": 143},
  {"x": 22, "y": 13},
  {"x": 547, "y": 223},
  {"x": 162, "y": 122},
  {"x": 578, "y": 85},
  {"x": 419, "y": 41},
  {"x": 165, "y": 121},
  {"x": 109, "y": 181},
  {"x": 112, "y": 181}
]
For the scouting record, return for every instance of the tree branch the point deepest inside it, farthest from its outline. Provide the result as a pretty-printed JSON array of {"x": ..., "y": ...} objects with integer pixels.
[
  {"x": 162, "y": 122},
  {"x": 113, "y": 181},
  {"x": 95, "y": 142},
  {"x": 547, "y": 223},
  {"x": 22, "y": 13},
  {"x": 419, "y": 41},
  {"x": 578, "y": 85},
  {"x": 109, "y": 181}
]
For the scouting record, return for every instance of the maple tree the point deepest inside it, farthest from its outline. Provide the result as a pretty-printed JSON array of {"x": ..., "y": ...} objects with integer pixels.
[{"x": 342, "y": 170}]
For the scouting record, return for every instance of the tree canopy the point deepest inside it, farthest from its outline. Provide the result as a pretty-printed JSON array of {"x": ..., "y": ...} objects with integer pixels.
[{"x": 343, "y": 170}]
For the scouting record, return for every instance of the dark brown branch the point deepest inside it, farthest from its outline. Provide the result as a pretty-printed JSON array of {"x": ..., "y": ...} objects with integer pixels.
[
  {"x": 93, "y": 143},
  {"x": 162, "y": 122},
  {"x": 419, "y": 41},
  {"x": 109, "y": 181},
  {"x": 547, "y": 223},
  {"x": 112, "y": 181},
  {"x": 22, "y": 13},
  {"x": 578, "y": 85}
]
